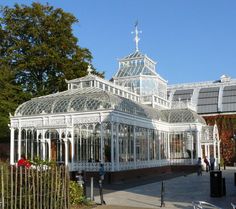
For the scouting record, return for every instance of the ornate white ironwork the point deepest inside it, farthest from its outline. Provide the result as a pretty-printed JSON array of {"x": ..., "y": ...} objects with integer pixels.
[{"x": 89, "y": 70}]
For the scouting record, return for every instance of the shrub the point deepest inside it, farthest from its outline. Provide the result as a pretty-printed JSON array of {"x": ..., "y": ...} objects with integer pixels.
[{"x": 76, "y": 194}]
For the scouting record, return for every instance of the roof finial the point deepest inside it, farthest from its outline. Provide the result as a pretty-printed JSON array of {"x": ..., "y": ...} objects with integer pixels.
[
  {"x": 136, "y": 38},
  {"x": 89, "y": 69}
]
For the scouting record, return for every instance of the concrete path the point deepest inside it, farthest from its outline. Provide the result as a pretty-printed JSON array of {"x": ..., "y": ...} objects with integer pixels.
[{"x": 179, "y": 193}]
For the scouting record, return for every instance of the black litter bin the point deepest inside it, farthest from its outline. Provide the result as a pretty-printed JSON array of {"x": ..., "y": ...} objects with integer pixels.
[
  {"x": 216, "y": 183},
  {"x": 234, "y": 179}
]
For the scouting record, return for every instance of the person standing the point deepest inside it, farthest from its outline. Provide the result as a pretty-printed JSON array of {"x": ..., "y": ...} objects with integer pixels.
[
  {"x": 212, "y": 162},
  {"x": 101, "y": 178},
  {"x": 199, "y": 166},
  {"x": 80, "y": 179},
  {"x": 207, "y": 164},
  {"x": 23, "y": 162},
  {"x": 101, "y": 172}
]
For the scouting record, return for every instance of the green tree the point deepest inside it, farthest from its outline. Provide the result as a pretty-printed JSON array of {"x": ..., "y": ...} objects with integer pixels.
[
  {"x": 38, "y": 52},
  {"x": 11, "y": 95},
  {"x": 41, "y": 48}
]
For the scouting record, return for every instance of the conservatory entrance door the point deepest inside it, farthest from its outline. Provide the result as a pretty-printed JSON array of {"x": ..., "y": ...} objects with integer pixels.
[
  {"x": 57, "y": 151},
  {"x": 54, "y": 150}
]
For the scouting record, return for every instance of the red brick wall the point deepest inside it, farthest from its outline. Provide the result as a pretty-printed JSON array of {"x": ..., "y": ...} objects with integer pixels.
[
  {"x": 227, "y": 127},
  {"x": 134, "y": 175},
  {"x": 4, "y": 151}
]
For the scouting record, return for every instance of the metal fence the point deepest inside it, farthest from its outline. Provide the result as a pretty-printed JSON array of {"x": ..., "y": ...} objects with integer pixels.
[{"x": 41, "y": 187}]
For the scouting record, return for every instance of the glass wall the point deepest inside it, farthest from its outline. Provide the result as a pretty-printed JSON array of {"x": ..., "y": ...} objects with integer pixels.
[
  {"x": 126, "y": 143},
  {"x": 87, "y": 140},
  {"x": 163, "y": 141},
  {"x": 156, "y": 145},
  {"x": 16, "y": 136},
  {"x": 141, "y": 144},
  {"x": 107, "y": 141},
  {"x": 28, "y": 137},
  {"x": 149, "y": 86},
  {"x": 87, "y": 143},
  {"x": 182, "y": 146}
]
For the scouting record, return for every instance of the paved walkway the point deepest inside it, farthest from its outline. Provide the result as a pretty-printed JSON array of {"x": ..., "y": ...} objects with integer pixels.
[{"x": 179, "y": 193}]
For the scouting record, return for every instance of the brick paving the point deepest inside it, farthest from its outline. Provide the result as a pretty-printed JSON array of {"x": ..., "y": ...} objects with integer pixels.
[{"x": 179, "y": 193}]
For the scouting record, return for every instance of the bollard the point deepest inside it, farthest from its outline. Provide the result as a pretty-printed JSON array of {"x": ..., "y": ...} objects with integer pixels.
[
  {"x": 91, "y": 188},
  {"x": 84, "y": 183},
  {"x": 162, "y": 194},
  {"x": 101, "y": 192}
]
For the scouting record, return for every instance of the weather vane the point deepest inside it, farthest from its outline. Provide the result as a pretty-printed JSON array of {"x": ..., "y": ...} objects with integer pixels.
[{"x": 136, "y": 38}]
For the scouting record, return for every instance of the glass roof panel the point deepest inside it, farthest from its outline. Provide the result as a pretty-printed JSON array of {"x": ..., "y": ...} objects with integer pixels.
[
  {"x": 30, "y": 110},
  {"x": 81, "y": 101},
  {"x": 130, "y": 71},
  {"x": 45, "y": 106},
  {"x": 147, "y": 71},
  {"x": 134, "y": 55},
  {"x": 182, "y": 116},
  {"x": 78, "y": 103},
  {"x": 61, "y": 105}
]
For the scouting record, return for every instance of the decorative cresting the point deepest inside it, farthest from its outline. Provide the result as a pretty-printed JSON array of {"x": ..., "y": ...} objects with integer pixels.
[
  {"x": 216, "y": 135},
  {"x": 182, "y": 116}
]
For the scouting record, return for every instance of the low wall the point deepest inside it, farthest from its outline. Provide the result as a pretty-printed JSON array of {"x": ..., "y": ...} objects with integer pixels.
[{"x": 134, "y": 175}]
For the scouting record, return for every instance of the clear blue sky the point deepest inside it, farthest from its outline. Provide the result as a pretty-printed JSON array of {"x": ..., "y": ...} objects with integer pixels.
[{"x": 191, "y": 40}]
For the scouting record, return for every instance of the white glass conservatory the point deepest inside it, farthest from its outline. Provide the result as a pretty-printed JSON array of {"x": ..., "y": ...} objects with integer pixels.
[
  {"x": 125, "y": 124},
  {"x": 83, "y": 126}
]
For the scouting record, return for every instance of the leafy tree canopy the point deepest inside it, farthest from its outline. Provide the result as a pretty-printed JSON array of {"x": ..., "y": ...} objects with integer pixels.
[
  {"x": 11, "y": 95},
  {"x": 38, "y": 52},
  {"x": 40, "y": 48}
]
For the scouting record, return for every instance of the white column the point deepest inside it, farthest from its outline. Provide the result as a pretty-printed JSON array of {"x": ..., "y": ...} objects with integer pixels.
[
  {"x": 218, "y": 151},
  {"x": 134, "y": 135},
  {"x": 60, "y": 145},
  {"x": 112, "y": 147},
  {"x": 214, "y": 148},
  {"x": 102, "y": 143},
  {"x": 49, "y": 149},
  {"x": 117, "y": 147},
  {"x": 43, "y": 141},
  {"x": 19, "y": 143},
  {"x": 192, "y": 141},
  {"x": 37, "y": 142},
  {"x": 66, "y": 151},
  {"x": 159, "y": 143},
  {"x": 206, "y": 151},
  {"x": 80, "y": 144},
  {"x": 43, "y": 144},
  {"x": 199, "y": 146},
  {"x": 32, "y": 144},
  {"x": 214, "y": 152},
  {"x": 26, "y": 143},
  {"x": 148, "y": 151},
  {"x": 12, "y": 153},
  {"x": 87, "y": 144},
  {"x": 168, "y": 145},
  {"x": 154, "y": 145},
  {"x": 72, "y": 140}
]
